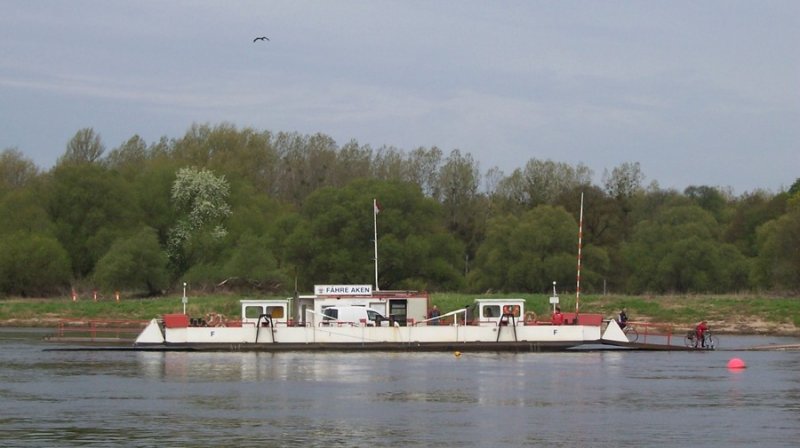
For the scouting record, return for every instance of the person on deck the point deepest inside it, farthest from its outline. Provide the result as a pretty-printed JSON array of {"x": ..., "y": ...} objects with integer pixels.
[
  {"x": 435, "y": 315},
  {"x": 558, "y": 318},
  {"x": 622, "y": 320},
  {"x": 700, "y": 334}
]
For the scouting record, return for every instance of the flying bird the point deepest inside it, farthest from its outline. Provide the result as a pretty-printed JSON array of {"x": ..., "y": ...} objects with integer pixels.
[{"x": 261, "y": 38}]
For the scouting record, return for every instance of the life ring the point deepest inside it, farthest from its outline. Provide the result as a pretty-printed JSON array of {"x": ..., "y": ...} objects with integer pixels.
[{"x": 530, "y": 316}]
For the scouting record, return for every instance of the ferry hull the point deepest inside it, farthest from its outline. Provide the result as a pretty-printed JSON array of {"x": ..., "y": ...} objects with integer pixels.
[
  {"x": 464, "y": 338},
  {"x": 463, "y": 347}
]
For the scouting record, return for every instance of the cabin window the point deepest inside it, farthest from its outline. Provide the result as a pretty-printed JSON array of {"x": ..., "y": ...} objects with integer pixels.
[
  {"x": 252, "y": 312},
  {"x": 491, "y": 311},
  {"x": 276, "y": 312},
  {"x": 330, "y": 313}
]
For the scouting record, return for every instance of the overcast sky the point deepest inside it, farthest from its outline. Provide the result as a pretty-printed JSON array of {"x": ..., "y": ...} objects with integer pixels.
[{"x": 698, "y": 92}]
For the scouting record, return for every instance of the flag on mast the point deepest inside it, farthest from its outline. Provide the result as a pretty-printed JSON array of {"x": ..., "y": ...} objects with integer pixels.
[{"x": 377, "y": 206}]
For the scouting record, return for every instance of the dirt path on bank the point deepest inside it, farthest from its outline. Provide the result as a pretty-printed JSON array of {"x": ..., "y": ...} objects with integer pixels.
[{"x": 755, "y": 327}]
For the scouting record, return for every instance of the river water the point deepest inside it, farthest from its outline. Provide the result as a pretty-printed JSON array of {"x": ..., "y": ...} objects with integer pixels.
[{"x": 591, "y": 398}]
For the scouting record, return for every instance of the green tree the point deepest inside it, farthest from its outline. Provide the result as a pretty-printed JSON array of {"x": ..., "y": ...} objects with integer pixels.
[
  {"x": 541, "y": 182},
  {"x": 751, "y": 210},
  {"x": 389, "y": 164},
  {"x": 130, "y": 157},
  {"x": 778, "y": 263},
  {"x": 333, "y": 243},
  {"x": 353, "y": 162},
  {"x": 422, "y": 169},
  {"x": 23, "y": 210},
  {"x": 204, "y": 256},
  {"x": 135, "y": 263},
  {"x": 624, "y": 181},
  {"x": 32, "y": 265},
  {"x": 465, "y": 210},
  {"x": 306, "y": 163},
  {"x": 601, "y": 218},
  {"x": 200, "y": 198},
  {"x": 16, "y": 170},
  {"x": 91, "y": 207},
  {"x": 85, "y": 147},
  {"x": 153, "y": 189},
  {"x": 527, "y": 252},
  {"x": 253, "y": 264},
  {"x": 794, "y": 190},
  {"x": 712, "y": 199},
  {"x": 245, "y": 154},
  {"x": 679, "y": 251},
  {"x": 624, "y": 185},
  {"x": 255, "y": 248}
]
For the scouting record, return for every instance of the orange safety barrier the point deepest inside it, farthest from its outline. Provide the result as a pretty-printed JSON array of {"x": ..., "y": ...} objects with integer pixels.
[
  {"x": 590, "y": 319},
  {"x": 659, "y": 332}
]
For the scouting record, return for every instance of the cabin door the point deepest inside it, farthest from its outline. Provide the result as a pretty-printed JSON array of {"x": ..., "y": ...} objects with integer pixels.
[{"x": 398, "y": 309}]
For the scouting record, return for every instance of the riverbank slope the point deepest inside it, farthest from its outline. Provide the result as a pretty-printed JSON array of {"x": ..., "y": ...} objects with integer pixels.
[{"x": 733, "y": 314}]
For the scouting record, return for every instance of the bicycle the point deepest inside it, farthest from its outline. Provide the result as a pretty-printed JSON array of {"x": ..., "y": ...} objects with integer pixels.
[
  {"x": 630, "y": 332},
  {"x": 710, "y": 341}
]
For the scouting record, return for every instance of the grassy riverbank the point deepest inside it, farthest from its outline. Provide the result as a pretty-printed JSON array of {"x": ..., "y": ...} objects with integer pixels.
[{"x": 743, "y": 314}]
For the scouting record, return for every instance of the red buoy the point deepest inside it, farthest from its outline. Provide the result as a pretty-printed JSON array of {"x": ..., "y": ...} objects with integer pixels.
[{"x": 736, "y": 363}]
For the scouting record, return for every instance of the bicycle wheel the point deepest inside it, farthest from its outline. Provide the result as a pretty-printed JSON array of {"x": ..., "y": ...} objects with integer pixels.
[
  {"x": 689, "y": 340},
  {"x": 632, "y": 334},
  {"x": 712, "y": 342}
]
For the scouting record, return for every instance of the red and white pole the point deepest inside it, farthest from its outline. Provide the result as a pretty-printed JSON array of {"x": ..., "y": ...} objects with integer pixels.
[{"x": 580, "y": 244}]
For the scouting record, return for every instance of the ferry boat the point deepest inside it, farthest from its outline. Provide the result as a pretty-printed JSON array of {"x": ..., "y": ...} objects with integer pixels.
[{"x": 354, "y": 317}]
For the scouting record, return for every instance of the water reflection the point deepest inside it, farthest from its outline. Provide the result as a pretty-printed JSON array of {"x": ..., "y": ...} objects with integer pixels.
[
  {"x": 599, "y": 398},
  {"x": 437, "y": 396},
  {"x": 254, "y": 366}
]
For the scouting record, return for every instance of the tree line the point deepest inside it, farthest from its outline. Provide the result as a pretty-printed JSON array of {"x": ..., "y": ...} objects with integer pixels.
[{"x": 252, "y": 210}]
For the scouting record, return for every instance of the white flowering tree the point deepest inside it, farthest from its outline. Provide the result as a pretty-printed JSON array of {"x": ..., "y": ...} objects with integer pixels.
[{"x": 200, "y": 198}]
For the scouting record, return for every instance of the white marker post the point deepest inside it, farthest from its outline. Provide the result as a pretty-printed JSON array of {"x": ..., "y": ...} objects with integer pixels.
[
  {"x": 184, "y": 299},
  {"x": 554, "y": 299}
]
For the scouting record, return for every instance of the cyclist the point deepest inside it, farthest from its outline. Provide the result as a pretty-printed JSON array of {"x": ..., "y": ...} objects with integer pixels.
[
  {"x": 700, "y": 333},
  {"x": 622, "y": 319}
]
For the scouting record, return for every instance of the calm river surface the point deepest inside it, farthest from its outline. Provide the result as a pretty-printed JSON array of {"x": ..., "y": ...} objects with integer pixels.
[{"x": 595, "y": 398}]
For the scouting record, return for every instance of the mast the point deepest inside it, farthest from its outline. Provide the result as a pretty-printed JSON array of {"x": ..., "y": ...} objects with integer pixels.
[
  {"x": 580, "y": 243},
  {"x": 375, "y": 210}
]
